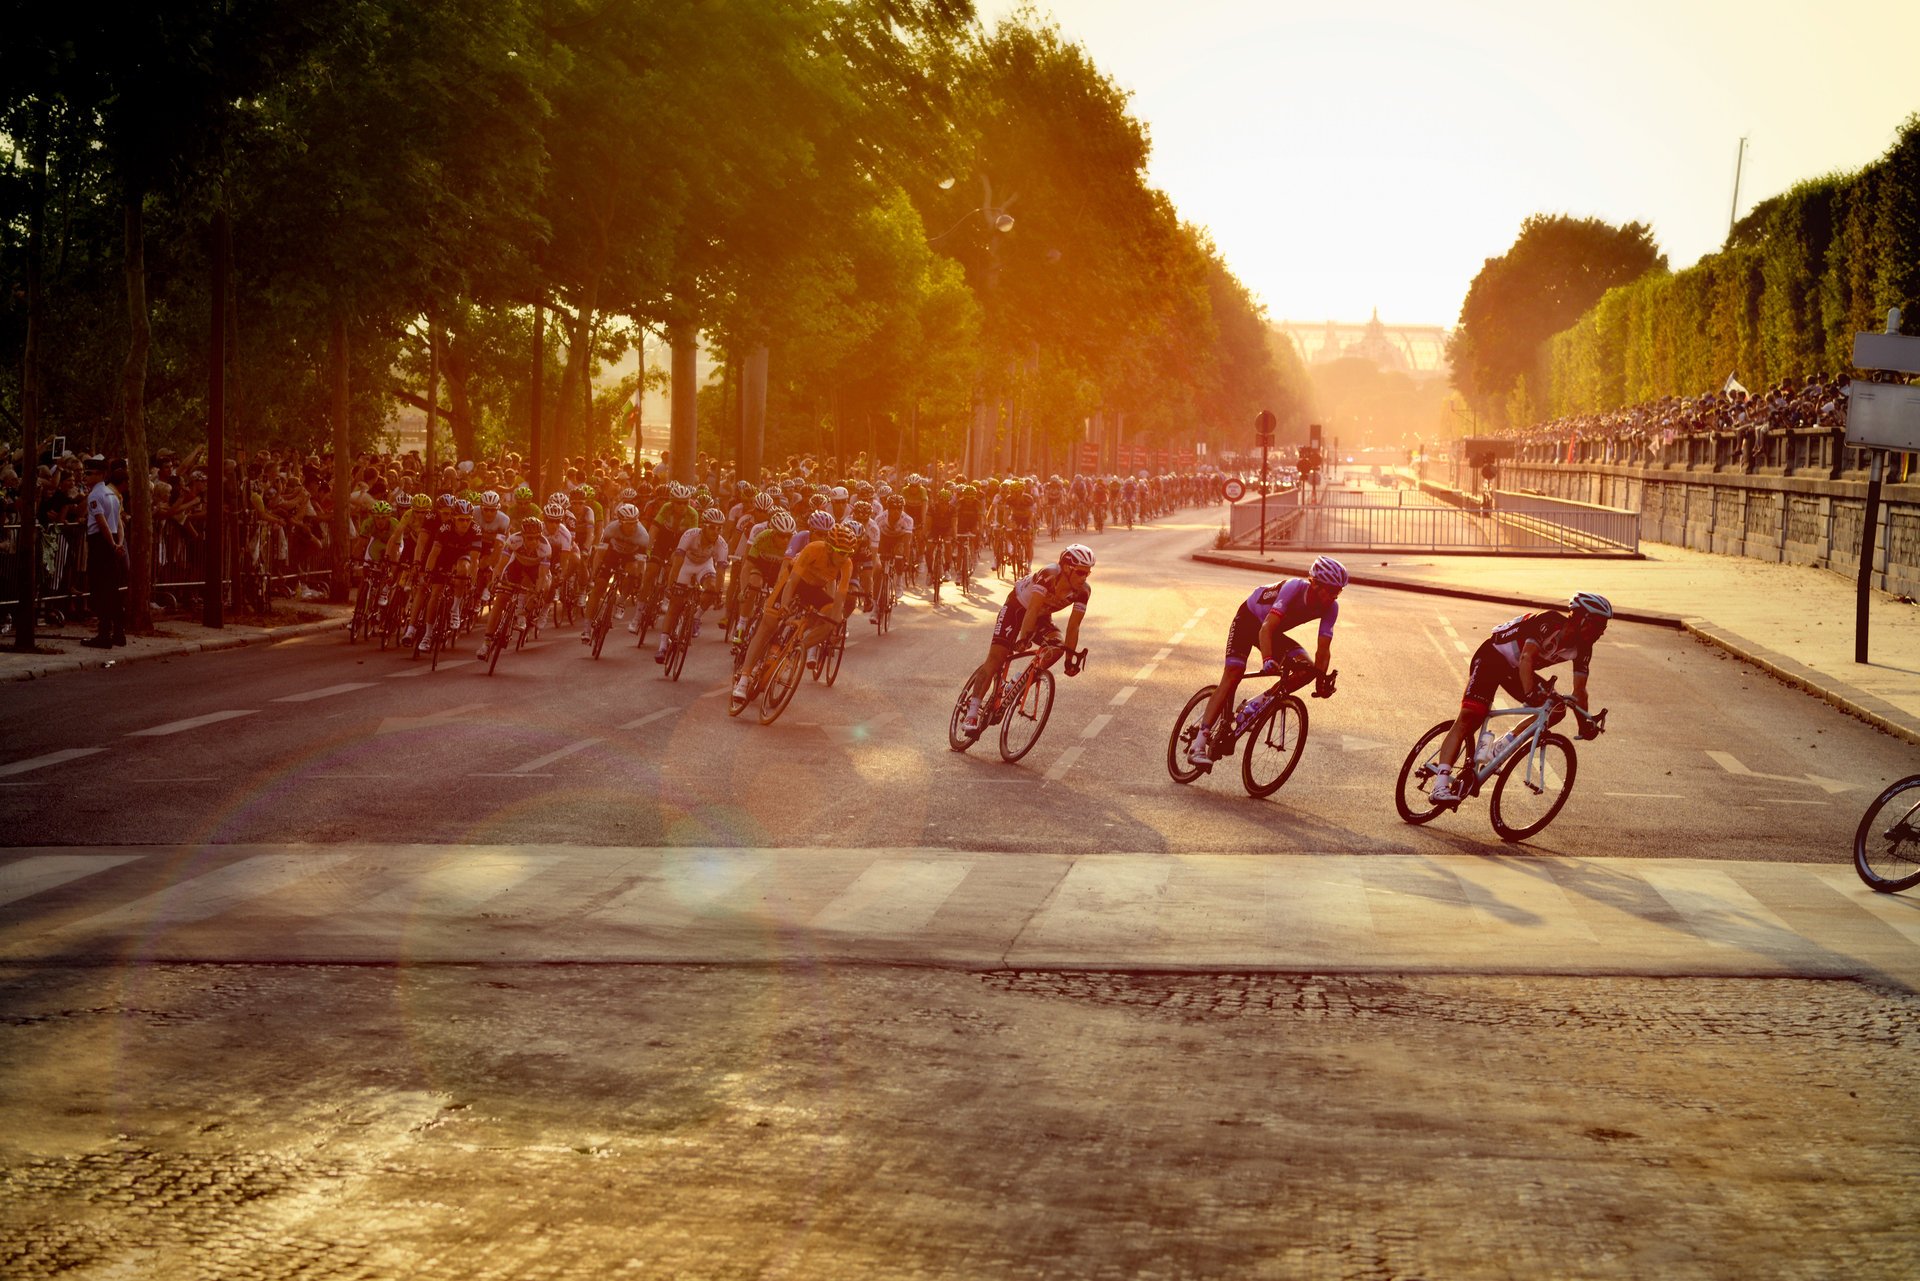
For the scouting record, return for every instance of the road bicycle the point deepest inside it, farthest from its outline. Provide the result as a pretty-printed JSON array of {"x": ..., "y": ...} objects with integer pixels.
[
  {"x": 963, "y": 562},
  {"x": 884, "y": 592},
  {"x": 753, "y": 602},
  {"x": 680, "y": 639},
  {"x": 825, "y": 661},
  {"x": 1273, "y": 725},
  {"x": 1019, "y": 705},
  {"x": 1886, "y": 845},
  {"x": 647, "y": 612},
  {"x": 511, "y": 614},
  {"x": 778, "y": 673},
  {"x": 618, "y": 597},
  {"x": 1532, "y": 769}
]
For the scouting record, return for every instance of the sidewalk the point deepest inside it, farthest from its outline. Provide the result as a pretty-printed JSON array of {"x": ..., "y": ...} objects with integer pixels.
[
  {"x": 1793, "y": 621},
  {"x": 173, "y": 638}
]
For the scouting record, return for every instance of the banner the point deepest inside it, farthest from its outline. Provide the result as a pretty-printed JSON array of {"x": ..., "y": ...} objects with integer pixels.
[{"x": 1087, "y": 457}]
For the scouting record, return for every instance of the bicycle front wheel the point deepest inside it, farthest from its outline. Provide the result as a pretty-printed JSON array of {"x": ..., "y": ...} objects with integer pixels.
[
  {"x": 1886, "y": 845},
  {"x": 1180, "y": 742},
  {"x": 1416, "y": 776},
  {"x": 957, "y": 738},
  {"x": 783, "y": 681},
  {"x": 1027, "y": 716},
  {"x": 1532, "y": 788},
  {"x": 836, "y": 649},
  {"x": 1273, "y": 746}
]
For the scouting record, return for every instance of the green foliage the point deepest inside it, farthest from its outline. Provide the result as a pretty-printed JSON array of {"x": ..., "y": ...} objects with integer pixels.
[
  {"x": 1557, "y": 268},
  {"x": 1799, "y": 276}
]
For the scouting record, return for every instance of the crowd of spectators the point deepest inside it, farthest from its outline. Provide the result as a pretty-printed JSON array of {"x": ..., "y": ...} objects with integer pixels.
[{"x": 1661, "y": 431}]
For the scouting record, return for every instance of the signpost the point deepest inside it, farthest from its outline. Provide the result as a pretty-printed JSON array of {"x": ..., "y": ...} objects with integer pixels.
[
  {"x": 1232, "y": 490},
  {"x": 1263, "y": 424},
  {"x": 1880, "y": 417}
]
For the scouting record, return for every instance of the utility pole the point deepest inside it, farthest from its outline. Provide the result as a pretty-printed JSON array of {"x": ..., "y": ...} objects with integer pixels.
[{"x": 1739, "y": 160}]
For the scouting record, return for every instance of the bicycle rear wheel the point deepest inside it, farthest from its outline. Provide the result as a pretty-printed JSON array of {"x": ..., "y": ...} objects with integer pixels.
[
  {"x": 836, "y": 649},
  {"x": 602, "y": 623},
  {"x": 782, "y": 682},
  {"x": 1886, "y": 845},
  {"x": 1027, "y": 715},
  {"x": 1180, "y": 742},
  {"x": 682, "y": 642},
  {"x": 1416, "y": 776},
  {"x": 1273, "y": 746},
  {"x": 1532, "y": 788}
]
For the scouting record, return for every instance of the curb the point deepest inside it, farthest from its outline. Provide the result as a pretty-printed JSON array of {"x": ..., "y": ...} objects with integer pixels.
[
  {"x": 1787, "y": 672},
  {"x": 1890, "y": 721},
  {"x": 73, "y": 663}
]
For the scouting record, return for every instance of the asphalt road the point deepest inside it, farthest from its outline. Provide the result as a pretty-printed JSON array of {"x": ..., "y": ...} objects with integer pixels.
[{"x": 316, "y": 740}]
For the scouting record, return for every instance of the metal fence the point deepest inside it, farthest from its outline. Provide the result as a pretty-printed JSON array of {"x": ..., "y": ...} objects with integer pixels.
[
  {"x": 1513, "y": 525},
  {"x": 264, "y": 561}
]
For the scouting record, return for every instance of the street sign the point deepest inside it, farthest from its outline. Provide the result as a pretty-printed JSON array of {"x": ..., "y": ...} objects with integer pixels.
[
  {"x": 1887, "y": 351},
  {"x": 1883, "y": 415},
  {"x": 1233, "y": 491},
  {"x": 1263, "y": 426}
]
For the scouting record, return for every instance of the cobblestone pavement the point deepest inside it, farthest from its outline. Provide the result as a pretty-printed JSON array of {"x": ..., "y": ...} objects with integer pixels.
[{"x": 845, "y": 1122}]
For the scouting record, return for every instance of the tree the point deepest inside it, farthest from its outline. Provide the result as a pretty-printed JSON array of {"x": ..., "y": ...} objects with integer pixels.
[{"x": 1558, "y": 267}]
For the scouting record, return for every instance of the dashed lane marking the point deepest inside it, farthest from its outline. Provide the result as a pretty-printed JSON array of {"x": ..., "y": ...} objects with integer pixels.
[
  {"x": 51, "y": 758},
  {"x": 560, "y": 754},
  {"x": 328, "y": 692},
  {"x": 1120, "y": 698},
  {"x": 1162, "y": 656},
  {"x": 192, "y": 722},
  {"x": 1097, "y": 724},
  {"x": 893, "y": 896},
  {"x": 1646, "y": 796},
  {"x": 1145, "y": 674},
  {"x": 408, "y": 671},
  {"x": 1065, "y": 763},
  {"x": 650, "y": 718}
]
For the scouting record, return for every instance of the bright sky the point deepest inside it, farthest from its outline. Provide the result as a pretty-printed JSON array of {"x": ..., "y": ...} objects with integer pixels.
[{"x": 1348, "y": 154}]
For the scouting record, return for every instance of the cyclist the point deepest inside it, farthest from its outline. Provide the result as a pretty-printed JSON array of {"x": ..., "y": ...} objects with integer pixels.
[
  {"x": 1019, "y": 504},
  {"x": 1263, "y": 619},
  {"x": 672, "y": 516},
  {"x": 559, "y": 531},
  {"x": 1510, "y": 659},
  {"x": 623, "y": 544},
  {"x": 967, "y": 507},
  {"x": 700, "y": 557},
  {"x": 526, "y": 558},
  {"x": 1028, "y": 612},
  {"x": 816, "y": 579},
  {"x": 453, "y": 547}
]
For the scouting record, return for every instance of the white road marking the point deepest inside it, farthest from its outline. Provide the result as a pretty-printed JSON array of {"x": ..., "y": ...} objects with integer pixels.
[
  {"x": 1065, "y": 763},
  {"x": 1161, "y": 657},
  {"x": 716, "y": 691},
  {"x": 192, "y": 722},
  {"x": 1145, "y": 674},
  {"x": 1176, "y": 638},
  {"x": 650, "y": 718},
  {"x": 463, "y": 881},
  {"x": 893, "y": 896},
  {"x": 1781, "y": 800},
  {"x": 32, "y": 875},
  {"x": 328, "y": 692},
  {"x": 205, "y": 778},
  {"x": 1097, "y": 724},
  {"x": 1199, "y": 614},
  {"x": 408, "y": 671},
  {"x": 1122, "y": 696},
  {"x": 1732, "y": 765},
  {"x": 558, "y": 755},
  {"x": 1647, "y": 796},
  {"x": 683, "y": 885},
  {"x": 1350, "y": 743},
  {"x": 51, "y": 758}
]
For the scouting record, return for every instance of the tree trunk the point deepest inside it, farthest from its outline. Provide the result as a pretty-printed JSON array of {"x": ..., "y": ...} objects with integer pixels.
[
  {"x": 459, "y": 374},
  {"x": 536, "y": 458},
  {"x": 214, "y": 543},
  {"x": 28, "y": 543},
  {"x": 342, "y": 445},
  {"x": 684, "y": 440},
  {"x": 133, "y": 411},
  {"x": 753, "y": 412},
  {"x": 433, "y": 384}
]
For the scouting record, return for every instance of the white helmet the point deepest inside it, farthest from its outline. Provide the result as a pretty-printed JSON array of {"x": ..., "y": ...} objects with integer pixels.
[
  {"x": 1328, "y": 572},
  {"x": 626, "y": 511},
  {"x": 1077, "y": 556}
]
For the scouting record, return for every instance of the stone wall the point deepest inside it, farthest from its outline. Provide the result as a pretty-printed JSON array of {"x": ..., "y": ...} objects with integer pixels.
[{"x": 1802, "y": 520}]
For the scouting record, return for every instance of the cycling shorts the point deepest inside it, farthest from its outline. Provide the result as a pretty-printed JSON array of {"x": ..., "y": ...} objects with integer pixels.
[
  {"x": 1006, "y": 627},
  {"x": 1488, "y": 673},
  {"x": 1245, "y": 634},
  {"x": 691, "y": 573},
  {"x": 520, "y": 574},
  {"x": 808, "y": 595}
]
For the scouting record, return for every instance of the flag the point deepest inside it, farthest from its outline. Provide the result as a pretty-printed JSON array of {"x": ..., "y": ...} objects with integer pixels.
[{"x": 1732, "y": 384}]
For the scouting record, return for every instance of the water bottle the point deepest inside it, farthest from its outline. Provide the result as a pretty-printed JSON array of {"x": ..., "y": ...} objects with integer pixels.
[{"x": 1483, "y": 753}]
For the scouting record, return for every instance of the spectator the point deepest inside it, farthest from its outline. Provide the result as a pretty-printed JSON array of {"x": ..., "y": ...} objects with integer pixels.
[{"x": 106, "y": 557}]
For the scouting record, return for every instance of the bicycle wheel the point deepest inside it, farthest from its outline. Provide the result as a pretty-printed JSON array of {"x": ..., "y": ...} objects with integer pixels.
[
  {"x": 883, "y": 604},
  {"x": 1886, "y": 845},
  {"x": 835, "y": 651},
  {"x": 782, "y": 683},
  {"x": 1027, "y": 715},
  {"x": 496, "y": 642},
  {"x": 644, "y": 613},
  {"x": 1532, "y": 788},
  {"x": 1180, "y": 742},
  {"x": 957, "y": 738},
  {"x": 1416, "y": 775},
  {"x": 602, "y": 623},
  {"x": 1273, "y": 746},
  {"x": 682, "y": 642}
]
